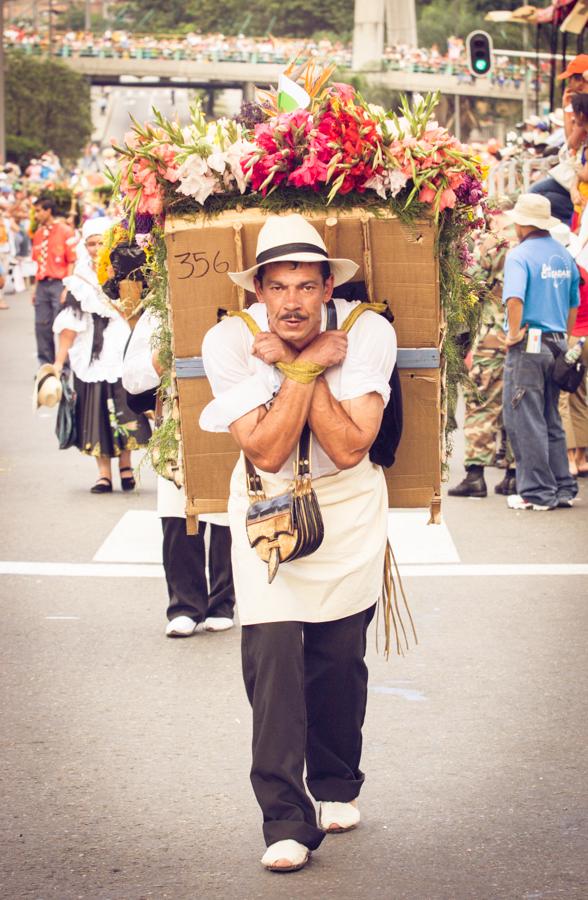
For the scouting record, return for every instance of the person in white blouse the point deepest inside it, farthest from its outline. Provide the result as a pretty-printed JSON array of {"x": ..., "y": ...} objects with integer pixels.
[
  {"x": 93, "y": 335},
  {"x": 304, "y": 635},
  {"x": 195, "y": 603}
]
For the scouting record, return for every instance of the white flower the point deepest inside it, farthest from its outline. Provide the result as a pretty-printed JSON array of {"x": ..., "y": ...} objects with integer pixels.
[
  {"x": 216, "y": 161},
  {"x": 234, "y": 154},
  {"x": 396, "y": 181},
  {"x": 195, "y": 179},
  {"x": 377, "y": 183}
]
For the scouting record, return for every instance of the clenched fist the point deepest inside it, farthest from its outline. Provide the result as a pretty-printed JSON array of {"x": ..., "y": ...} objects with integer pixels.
[
  {"x": 328, "y": 349},
  {"x": 271, "y": 349}
]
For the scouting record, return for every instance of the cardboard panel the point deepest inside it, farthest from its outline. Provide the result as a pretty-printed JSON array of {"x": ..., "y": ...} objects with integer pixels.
[
  {"x": 415, "y": 477},
  {"x": 404, "y": 272},
  {"x": 413, "y": 481}
]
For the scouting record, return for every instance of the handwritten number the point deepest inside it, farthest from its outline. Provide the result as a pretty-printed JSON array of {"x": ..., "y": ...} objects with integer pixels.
[
  {"x": 220, "y": 267},
  {"x": 185, "y": 261},
  {"x": 200, "y": 265},
  {"x": 200, "y": 260}
]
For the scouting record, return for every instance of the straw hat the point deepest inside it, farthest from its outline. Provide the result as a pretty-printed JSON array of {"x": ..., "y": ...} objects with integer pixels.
[
  {"x": 47, "y": 390},
  {"x": 532, "y": 209},
  {"x": 292, "y": 239}
]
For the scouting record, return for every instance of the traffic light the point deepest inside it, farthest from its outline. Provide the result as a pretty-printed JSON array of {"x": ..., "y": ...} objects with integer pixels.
[{"x": 479, "y": 49}]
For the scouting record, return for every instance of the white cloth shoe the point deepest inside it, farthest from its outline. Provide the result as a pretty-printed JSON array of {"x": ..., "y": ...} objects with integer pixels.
[
  {"x": 515, "y": 501},
  {"x": 219, "y": 624},
  {"x": 181, "y": 626},
  {"x": 285, "y": 856},
  {"x": 337, "y": 817}
]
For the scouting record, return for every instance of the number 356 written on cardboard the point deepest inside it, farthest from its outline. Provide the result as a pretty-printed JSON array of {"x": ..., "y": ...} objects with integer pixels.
[{"x": 199, "y": 263}]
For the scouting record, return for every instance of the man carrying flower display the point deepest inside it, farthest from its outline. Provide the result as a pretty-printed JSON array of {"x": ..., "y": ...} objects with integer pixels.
[{"x": 304, "y": 634}]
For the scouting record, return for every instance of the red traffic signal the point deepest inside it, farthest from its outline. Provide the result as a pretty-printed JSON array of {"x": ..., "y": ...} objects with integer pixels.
[{"x": 479, "y": 53}]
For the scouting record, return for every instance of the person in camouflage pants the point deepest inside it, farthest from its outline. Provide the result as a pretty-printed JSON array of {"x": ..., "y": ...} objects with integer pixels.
[{"x": 483, "y": 429}]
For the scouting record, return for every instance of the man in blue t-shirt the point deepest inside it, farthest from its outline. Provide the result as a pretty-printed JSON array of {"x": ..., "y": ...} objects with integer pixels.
[{"x": 541, "y": 283}]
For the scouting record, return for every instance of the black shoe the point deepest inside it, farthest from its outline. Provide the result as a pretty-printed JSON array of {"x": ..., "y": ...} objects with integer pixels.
[
  {"x": 473, "y": 484},
  {"x": 129, "y": 483},
  {"x": 102, "y": 486},
  {"x": 508, "y": 485}
]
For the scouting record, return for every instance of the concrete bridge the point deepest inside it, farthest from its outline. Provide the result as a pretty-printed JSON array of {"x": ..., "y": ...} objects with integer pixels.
[{"x": 213, "y": 76}]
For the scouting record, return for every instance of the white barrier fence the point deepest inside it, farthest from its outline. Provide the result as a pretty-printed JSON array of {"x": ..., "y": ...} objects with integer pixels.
[{"x": 514, "y": 176}]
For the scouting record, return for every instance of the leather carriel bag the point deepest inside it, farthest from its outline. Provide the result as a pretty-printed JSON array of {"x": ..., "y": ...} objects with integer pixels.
[{"x": 290, "y": 525}]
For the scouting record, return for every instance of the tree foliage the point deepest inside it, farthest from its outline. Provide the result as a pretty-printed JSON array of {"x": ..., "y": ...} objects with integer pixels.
[
  {"x": 47, "y": 108},
  {"x": 437, "y": 19},
  {"x": 296, "y": 18}
]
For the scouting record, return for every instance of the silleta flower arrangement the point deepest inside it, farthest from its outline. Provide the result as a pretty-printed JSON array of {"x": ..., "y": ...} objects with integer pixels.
[
  {"x": 306, "y": 146},
  {"x": 338, "y": 147}
]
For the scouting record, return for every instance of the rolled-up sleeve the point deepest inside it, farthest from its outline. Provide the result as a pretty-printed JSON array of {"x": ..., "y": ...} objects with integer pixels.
[
  {"x": 236, "y": 383},
  {"x": 371, "y": 357}
]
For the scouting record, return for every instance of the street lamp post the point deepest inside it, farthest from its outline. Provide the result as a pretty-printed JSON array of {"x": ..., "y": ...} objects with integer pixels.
[{"x": 2, "y": 107}]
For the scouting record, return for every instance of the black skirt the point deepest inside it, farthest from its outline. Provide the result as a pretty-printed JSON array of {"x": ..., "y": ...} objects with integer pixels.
[{"x": 105, "y": 424}]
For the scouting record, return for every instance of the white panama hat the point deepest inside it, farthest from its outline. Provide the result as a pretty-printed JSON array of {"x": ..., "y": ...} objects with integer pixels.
[
  {"x": 47, "y": 390},
  {"x": 292, "y": 239},
  {"x": 532, "y": 209}
]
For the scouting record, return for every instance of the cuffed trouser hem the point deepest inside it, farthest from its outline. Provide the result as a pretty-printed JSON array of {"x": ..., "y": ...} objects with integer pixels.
[
  {"x": 335, "y": 789},
  {"x": 291, "y": 830}
]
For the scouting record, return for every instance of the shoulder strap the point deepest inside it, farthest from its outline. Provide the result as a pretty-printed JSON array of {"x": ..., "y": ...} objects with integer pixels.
[
  {"x": 249, "y": 320},
  {"x": 331, "y": 316}
]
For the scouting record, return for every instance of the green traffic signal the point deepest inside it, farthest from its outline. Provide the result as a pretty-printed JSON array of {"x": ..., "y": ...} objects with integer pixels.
[{"x": 479, "y": 53}]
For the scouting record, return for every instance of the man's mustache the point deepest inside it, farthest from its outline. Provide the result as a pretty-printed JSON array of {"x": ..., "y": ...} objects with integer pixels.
[{"x": 294, "y": 315}]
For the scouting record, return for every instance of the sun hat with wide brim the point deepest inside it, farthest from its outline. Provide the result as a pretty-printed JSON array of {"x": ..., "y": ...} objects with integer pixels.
[
  {"x": 532, "y": 209},
  {"x": 47, "y": 390},
  {"x": 292, "y": 239}
]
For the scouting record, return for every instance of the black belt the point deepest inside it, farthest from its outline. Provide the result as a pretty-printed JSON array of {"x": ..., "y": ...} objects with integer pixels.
[{"x": 50, "y": 279}]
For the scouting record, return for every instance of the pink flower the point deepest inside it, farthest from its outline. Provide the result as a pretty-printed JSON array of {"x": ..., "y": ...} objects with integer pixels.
[
  {"x": 426, "y": 195},
  {"x": 310, "y": 174},
  {"x": 345, "y": 92},
  {"x": 448, "y": 199}
]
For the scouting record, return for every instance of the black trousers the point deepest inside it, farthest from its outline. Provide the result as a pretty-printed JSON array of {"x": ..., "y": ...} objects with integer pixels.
[
  {"x": 184, "y": 562},
  {"x": 307, "y": 684}
]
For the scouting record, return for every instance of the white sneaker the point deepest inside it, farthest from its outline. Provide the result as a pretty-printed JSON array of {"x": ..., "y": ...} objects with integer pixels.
[
  {"x": 181, "y": 626},
  {"x": 515, "y": 501},
  {"x": 219, "y": 624},
  {"x": 336, "y": 817},
  {"x": 285, "y": 856},
  {"x": 566, "y": 502}
]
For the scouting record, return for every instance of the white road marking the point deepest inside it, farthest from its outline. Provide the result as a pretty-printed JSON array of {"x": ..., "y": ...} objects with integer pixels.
[
  {"x": 449, "y": 570},
  {"x": 415, "y": 542},
  {"x": 136, "y": 538}
]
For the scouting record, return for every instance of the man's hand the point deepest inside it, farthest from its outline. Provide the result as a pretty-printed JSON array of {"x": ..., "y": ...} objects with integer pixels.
[
  {"x": 271, "y": 349},
  {"x": 33, "y": 297},
  {"x": 512, "y": 339},
  {"x": 63, "y": 296},
  {"x": 328, "y": 349}
]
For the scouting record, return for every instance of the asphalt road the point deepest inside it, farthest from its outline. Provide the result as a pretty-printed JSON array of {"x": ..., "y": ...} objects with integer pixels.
[{"x": 124, "y": 755}]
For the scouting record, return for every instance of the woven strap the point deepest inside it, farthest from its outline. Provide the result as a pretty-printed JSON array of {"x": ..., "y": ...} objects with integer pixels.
[{"x": 305, "y": 372}]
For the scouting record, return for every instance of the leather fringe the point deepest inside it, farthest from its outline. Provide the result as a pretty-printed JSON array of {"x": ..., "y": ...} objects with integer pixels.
[{"x": 392, "y": 615}]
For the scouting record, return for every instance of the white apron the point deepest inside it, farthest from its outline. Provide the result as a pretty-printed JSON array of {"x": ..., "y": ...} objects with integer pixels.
[{"x": 343, "y": 577}]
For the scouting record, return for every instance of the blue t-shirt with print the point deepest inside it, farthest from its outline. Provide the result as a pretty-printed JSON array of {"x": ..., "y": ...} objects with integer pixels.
[{"x": 542, "y": 273}]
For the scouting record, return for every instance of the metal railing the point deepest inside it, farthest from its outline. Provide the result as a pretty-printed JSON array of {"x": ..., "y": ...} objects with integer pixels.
[{"x": 515, "y": 176}]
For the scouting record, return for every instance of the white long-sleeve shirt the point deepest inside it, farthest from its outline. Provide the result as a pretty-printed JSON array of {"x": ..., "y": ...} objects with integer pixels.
[{"x": 241, "y": 382}]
